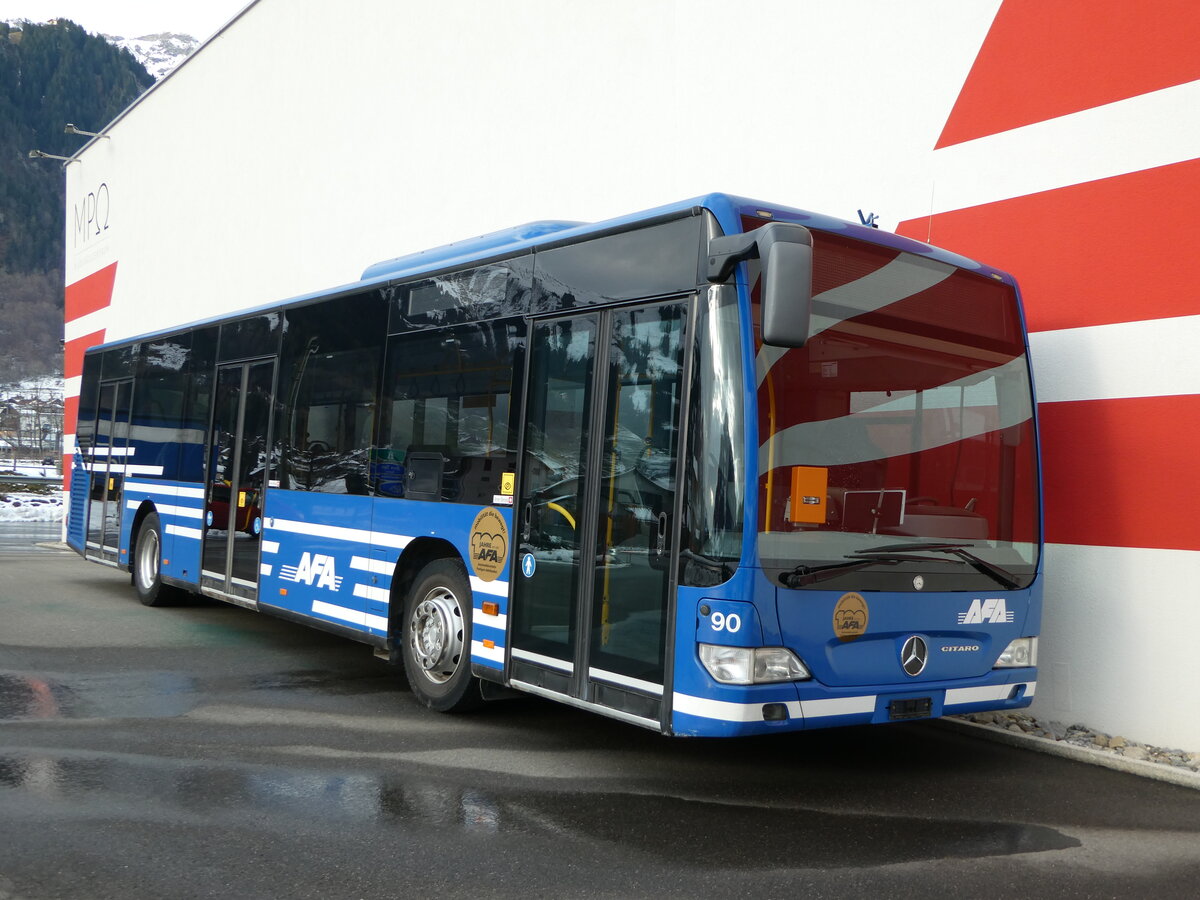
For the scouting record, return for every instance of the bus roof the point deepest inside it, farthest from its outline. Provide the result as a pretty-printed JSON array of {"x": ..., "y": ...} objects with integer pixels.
[{"x": 728, "y": 209}]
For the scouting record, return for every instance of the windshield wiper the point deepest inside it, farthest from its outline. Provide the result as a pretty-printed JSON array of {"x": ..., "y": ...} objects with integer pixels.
[
  {"x": 1001, "y": 576},
  {"x": 891, "y": 555},
  {"x": 802, "y": 575}
]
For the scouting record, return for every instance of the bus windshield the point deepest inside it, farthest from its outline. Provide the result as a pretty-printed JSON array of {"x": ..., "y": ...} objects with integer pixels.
[{"x": 897, "y": 447}]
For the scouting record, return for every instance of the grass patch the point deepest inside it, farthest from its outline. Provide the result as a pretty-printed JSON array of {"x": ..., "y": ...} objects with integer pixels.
[{"x": 44, "y": 490}]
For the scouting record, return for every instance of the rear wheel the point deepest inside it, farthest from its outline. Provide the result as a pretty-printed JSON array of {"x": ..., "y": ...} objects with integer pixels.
[
  {"x": 437, "y": 638},
  {"x": 147, "y": 562}
]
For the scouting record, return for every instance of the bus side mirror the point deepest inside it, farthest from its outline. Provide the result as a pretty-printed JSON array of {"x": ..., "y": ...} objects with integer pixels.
[{"x": 785, "y": 252}]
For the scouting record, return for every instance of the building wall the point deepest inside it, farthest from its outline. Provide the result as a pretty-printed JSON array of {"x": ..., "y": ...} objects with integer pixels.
[
  {"x": 1060, "y": 141},
  {"x": 1066, "y": 159}
]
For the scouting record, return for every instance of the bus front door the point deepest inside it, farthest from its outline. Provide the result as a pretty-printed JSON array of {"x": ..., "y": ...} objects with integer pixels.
[
  {"x": 106, "y": 463},
  {"x": 238, "y": 465},
  {"x": 595, "y": 523}
]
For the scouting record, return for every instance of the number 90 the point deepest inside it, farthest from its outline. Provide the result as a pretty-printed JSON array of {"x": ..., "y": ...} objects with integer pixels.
[{"x": 731, "y": 623}]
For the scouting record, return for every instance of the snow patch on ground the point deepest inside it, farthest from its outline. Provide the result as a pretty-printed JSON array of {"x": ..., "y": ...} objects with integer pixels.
[
  {"x": 34, "y": 502},
  {"x": 21, "y": 506}
]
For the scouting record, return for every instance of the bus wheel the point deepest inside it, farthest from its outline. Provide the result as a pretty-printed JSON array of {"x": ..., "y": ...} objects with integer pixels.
[
  {"x": 147, "y": 557},
  {"x": 437, "y": 638}
]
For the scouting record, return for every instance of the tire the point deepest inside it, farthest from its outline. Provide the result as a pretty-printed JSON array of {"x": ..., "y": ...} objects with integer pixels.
[
  {"x": 147, "y": 564},
  {"x": 437, "y": 638}
]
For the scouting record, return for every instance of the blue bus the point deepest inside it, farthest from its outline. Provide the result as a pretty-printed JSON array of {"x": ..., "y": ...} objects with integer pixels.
[{"x": 719, "y": 468}]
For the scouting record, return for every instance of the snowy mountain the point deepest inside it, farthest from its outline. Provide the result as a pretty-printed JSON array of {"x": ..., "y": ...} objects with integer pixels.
[{"x": 159, "y": 53}]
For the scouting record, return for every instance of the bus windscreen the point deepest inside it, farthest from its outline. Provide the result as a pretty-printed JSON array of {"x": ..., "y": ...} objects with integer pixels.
[{"x": 902, "y": 431}]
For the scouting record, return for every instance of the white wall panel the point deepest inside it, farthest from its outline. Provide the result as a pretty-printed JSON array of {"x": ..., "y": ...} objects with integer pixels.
[
  {"x": 1118, "y": 642},
  {"x": 307, "y": 141},
  {"x": 1154, "y": 358},
  {"x": 1127, "y": 136}
]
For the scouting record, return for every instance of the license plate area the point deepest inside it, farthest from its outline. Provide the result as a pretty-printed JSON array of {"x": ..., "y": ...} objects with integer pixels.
[{"x": 910, "y": 708}]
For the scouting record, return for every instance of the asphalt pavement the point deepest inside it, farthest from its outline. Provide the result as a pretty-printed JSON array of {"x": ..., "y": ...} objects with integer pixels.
[{"x": 207, "y": 751}]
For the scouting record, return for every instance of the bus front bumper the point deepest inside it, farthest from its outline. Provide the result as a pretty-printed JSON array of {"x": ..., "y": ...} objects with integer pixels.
[{"x": 762, "y": 709}]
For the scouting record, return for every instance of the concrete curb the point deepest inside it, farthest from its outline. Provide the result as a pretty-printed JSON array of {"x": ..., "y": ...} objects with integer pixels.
[{"x": 1157, "y": 771}]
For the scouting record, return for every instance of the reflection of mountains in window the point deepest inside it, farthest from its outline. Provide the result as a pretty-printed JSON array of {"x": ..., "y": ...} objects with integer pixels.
[
  {"x": 487, "y": 284},
  {"x": 645, "y": 262},
  {"x": 171, "y": 355}
]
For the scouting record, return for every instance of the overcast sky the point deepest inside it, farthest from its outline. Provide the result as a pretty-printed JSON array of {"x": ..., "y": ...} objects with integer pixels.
[{"x": 130, "y": 18}]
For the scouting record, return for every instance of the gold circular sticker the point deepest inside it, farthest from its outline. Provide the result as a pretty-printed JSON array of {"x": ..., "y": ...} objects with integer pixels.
[
  {"x": 489, "y": 544},
  {"x": 850, "y": 617}
]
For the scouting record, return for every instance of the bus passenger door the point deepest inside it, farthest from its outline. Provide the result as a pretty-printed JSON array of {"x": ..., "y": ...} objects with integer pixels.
[
  {"x": 595, "y": 523},
  {"x": 106, "y": 458},
  {"x": 238, "y": 466}
]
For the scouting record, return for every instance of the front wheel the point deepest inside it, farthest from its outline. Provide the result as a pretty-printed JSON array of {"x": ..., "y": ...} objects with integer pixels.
[
  {"x": 147, "y": 560},
  {"x": 437, "y": 638}
]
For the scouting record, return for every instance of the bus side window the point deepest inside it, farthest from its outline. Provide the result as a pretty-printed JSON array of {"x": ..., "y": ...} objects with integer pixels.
[
  {"x": 329, "y": 381},
  {"x": 448, "y": 392}
]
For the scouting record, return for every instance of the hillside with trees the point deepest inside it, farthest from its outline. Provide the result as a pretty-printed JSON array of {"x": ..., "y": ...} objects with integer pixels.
[{"x": 50, "y": 75}]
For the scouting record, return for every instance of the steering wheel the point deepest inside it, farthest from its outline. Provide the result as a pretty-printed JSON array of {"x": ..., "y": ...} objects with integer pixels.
[{"x": 318, "y": 447}]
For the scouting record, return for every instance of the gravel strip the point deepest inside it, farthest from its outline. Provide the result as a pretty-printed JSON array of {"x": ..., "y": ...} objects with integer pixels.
[{"x": 1083, "y": 743}]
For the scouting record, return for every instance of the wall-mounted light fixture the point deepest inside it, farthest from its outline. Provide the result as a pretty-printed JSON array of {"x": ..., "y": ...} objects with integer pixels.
[
  {"x": 42, "y": 154},
  {"x": 74, "y": 129}
]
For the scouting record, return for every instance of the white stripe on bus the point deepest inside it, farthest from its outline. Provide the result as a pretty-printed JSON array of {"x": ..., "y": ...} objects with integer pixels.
[
  {"x": 379, "y": 595},
  {"x": 338, "y": 533},
  {"x": 354, "y": 616},
  {"x": 166, "y": 509},
  {"x": 838, "y": 706},
  {"x": 479, "y": 617},
  {"x": 152, "y": 487},
  {"x": 549, "y": 662},
  {"x": 180, "y": 531},
  {"x": 123, "y": 469},
  {"x": 986, "y": 694},
  {"x": 374, "y": 566},
  {"x": 495, "y": 588},
  {"x": 625, "y": 681},
  {"x": 495, "y": 654},
  {"x": 182, "y": 512},
  {"x": 727, "y": 711},
  {"x": 264, "y": 569},
  {"x": 270, "y": 546},
  {"x": 723, "y": 710}
]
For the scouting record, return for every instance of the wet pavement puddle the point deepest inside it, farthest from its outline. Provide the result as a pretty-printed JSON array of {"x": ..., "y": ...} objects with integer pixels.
[
  {"x": 738, "y": 837},
  {"x": 136, "y": 695}
]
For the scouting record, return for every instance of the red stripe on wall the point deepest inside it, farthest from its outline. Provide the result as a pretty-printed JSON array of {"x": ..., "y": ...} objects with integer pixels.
[
  {"x": 70, "y": 413},
  {"x": 1121, "y": 473},
  {"x": 1042, "y": 60},
  {"x": 73, "y": 352},
  {"x": 90, "y": 294},
  {"x": 1090, "y": 254}
]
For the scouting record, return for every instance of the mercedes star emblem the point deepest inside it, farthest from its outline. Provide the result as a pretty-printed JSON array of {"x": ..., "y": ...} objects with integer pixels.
[{"x": 914, "y": 655}]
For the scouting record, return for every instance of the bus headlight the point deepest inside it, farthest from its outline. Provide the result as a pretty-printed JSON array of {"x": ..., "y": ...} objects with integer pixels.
[
  {"x": 752, "y": 665},
  {"x": 1020, "y": 653}
]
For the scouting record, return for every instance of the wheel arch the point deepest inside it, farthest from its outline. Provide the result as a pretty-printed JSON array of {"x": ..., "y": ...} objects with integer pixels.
[
  {"x": 416, "y": 556},
  {"x": 144, "y": 509}
]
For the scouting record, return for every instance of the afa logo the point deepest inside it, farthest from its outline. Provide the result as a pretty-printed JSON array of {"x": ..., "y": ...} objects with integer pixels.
[
  {"x": 489, "y": 544},
  {"x": 992, "y": 610},
  {"x": 850, "y": 617},
  {"x": 313, "y": 567}
]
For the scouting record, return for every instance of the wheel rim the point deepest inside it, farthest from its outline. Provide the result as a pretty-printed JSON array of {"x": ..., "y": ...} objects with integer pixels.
[
  {"x": 147, "y": 559},
  {"x": 435, "y": 635}
]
